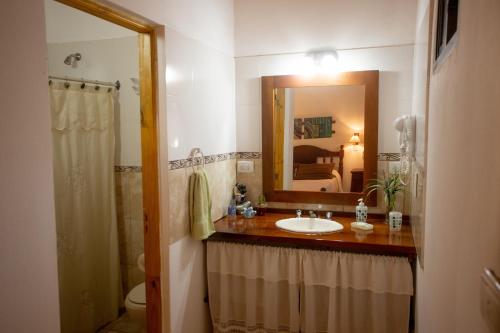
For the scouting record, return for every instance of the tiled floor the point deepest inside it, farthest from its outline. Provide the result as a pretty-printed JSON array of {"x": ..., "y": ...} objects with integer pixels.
[{"x": 123, "y": 325}]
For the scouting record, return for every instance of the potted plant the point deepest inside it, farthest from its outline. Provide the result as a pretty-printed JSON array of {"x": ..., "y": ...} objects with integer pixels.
[
  {"x": 261, "y": 205},
  {"x": 391, "y": 185}
]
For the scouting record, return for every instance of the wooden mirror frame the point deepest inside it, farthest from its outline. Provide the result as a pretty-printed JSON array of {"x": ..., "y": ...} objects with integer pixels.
[{"x": 368, "y": 79}]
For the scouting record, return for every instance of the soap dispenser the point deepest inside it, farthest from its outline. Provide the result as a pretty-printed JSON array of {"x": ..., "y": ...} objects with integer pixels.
[{"x": 361, "y": 211}]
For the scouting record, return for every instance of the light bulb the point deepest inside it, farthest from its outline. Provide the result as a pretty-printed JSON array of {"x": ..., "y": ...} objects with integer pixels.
[
  {"x": 307, "y": 66},
  {"x": 328, "y": 63}
]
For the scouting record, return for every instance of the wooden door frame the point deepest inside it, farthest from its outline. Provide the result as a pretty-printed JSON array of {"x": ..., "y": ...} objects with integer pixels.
[{"x": 148, "y": 77}]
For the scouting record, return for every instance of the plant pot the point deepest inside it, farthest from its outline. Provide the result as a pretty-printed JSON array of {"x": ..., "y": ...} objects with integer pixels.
[
  {"x": 388, "y": 209},
  {"x": 395, "y": 221},
  {"x": 261, "y": 210}
]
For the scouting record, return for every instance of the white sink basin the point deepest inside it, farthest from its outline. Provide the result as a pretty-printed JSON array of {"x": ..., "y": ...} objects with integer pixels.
[{"x": 308, "y": 225}]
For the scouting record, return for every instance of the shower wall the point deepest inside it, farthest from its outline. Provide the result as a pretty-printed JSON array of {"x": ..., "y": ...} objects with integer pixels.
[{"x": 110, "y": 60}]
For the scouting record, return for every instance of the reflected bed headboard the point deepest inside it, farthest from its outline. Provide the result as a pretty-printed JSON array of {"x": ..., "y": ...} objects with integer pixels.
[{"x": 306, "y": 154}]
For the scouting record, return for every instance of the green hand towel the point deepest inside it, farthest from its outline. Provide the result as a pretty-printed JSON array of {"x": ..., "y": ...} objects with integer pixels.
[{"x": 200, "y": 206}]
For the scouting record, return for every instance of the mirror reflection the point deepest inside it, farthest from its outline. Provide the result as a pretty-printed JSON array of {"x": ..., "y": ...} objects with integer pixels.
[{"x": 318, "y": 138}]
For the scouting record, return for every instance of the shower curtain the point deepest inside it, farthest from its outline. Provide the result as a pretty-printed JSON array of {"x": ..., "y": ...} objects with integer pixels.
[{"x": 87, "y": 241}]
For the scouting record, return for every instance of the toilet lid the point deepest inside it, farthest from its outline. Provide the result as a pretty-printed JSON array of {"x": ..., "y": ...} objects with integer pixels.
[{"x": 138, "y": 294}]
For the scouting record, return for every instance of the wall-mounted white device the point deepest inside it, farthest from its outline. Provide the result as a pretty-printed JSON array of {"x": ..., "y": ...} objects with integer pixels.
[{"x": 405, "y": 125}]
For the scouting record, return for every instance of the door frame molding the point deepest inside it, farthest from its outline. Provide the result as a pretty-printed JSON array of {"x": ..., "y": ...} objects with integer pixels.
[{"x": 148, "y": 77}]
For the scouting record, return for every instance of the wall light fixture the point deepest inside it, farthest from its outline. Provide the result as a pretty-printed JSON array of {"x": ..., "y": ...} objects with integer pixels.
[
  {"x": 320, "y": 62},
  {"x": 354, "y": 141}
]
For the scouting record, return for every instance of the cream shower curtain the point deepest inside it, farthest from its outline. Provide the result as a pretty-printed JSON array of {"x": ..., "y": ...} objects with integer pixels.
[
  {"x": 266, "y": 289},
  {"x": 88, "y": 259}
]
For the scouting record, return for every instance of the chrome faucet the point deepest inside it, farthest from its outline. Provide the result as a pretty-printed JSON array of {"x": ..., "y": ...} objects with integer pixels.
[
  {"x": 312, "y": 214},
  {"x": 299, "y": 213}
]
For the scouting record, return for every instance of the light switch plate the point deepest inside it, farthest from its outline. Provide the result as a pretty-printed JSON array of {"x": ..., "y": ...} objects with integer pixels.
[
  {"x": 490, "y": 299},
  {"x": 245, "y": 166}
]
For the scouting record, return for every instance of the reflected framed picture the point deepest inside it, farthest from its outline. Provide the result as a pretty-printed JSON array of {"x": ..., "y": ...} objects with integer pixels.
[
  {"x": 318, "y": 127},
  {"x": 297, "y": 129}
]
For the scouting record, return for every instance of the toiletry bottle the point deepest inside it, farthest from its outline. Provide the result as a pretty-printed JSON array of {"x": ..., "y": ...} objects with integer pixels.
[
  {"x": 361, "y": 211},
  {"x": 231, "y": 211}
]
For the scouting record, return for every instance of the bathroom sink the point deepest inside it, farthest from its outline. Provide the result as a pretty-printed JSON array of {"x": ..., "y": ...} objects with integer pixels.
[{"x": 307, "y": 225}]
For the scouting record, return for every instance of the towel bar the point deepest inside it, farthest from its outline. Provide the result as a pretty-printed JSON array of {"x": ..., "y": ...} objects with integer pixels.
[{"x": 192, "y": 156}]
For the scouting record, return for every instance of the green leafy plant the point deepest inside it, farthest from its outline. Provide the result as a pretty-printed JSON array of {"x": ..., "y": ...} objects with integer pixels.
[
  {"x": 391, "y": 185},
  {"x": 261, "y": 200}
]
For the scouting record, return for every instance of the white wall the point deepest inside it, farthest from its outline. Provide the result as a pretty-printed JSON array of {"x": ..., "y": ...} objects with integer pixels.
[
  {"x": 65, "y": 24},
  {"x": 395, "y": 88},
  {"x": 463, "y": 173},
  {"x": 108, "y": 60},
  {"x": 28, "y": 278},
  {"x": 282, "y": 26},
  {"x": 208, "y": 22},
  {"x": 418, "y": 176},
  {"x": 420, "y": 78},
  {"x": 200, "y": 100},
  {"x": 265, "y": 28}
]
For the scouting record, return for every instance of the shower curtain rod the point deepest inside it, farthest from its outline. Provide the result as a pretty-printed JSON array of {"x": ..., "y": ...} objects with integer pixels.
[{"x": 116, "y": 84}]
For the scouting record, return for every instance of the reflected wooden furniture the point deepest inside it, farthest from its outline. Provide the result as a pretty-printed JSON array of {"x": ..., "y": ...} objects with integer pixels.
[
  {"x": 357, "y": 180},
  {"x": 270, "y": 84},
  {"x": 306, "y": 154}
]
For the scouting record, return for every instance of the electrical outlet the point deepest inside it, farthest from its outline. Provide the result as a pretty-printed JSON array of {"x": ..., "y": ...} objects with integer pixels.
[{"x": 245, "y": 166}]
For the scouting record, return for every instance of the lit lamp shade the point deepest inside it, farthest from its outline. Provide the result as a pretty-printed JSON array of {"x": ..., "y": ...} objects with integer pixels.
[{"x": 355, "y": 139}]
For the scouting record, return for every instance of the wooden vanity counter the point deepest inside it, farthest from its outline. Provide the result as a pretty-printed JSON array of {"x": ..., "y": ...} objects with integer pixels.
[{"x": 261, "y": 230}]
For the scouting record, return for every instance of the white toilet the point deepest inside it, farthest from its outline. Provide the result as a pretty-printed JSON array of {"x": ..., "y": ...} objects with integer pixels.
[{"x": 135, "y": 303}]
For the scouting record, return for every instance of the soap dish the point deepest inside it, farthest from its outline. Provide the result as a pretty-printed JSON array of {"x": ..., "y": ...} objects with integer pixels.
[{"x": 362, "y": 225}]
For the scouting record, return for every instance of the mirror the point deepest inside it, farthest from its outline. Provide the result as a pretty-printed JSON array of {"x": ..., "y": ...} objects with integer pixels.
[
  {"x": 314, "y": 127},
  {"x": 324, "y": 137}
]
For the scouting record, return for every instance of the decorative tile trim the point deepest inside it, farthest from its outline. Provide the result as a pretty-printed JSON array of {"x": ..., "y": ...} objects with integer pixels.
[
  {"x": 389, "y": 157},
  {"x": 187, "y": 162},
  {"x": 127, "y": 168},
  {"x": 257, "y": 155},
  {"x": 249, "y": 155}
]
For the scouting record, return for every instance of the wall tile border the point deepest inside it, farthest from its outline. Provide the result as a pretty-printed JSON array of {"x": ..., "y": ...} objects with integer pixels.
[
  {"x": 389, "y": 157},
  {"x": 186, "y": 162},
  {"x": 128, "y": 168},
  {"x": 380, "y": 157},
  {"x": 249, "y": 155}
]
